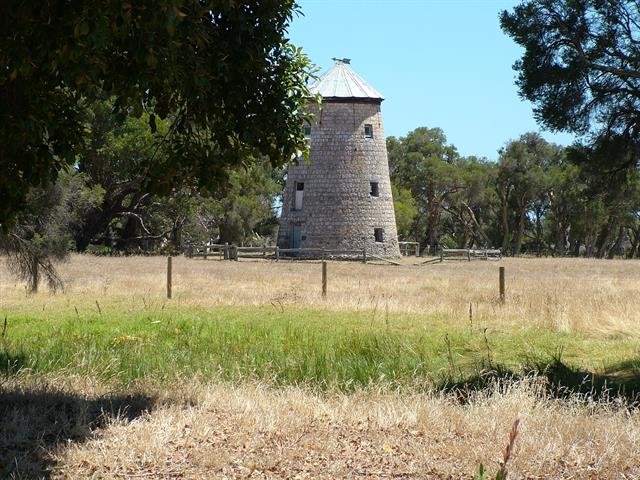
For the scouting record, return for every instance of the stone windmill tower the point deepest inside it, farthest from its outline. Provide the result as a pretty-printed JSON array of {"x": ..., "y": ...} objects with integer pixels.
[{"x": 341, "y": 200}]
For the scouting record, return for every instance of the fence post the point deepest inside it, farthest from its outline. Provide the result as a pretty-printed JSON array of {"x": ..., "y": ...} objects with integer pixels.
[
  {"x": 502, "y": 295},
  {"x": 169, "y": 276},
  {"x": 441, "y": 254},
  {"x": 417, "y": 249},
  {"x": 364, "y": 254},
  {"x": 469, "y": 254},
  {"x": 190, "y": 251},
  {"x": 324, "y": 279},
  {"x": 277, "y": 253},
  {"x": 226, "y": 250},
  {"x": 206, "y": 250}
]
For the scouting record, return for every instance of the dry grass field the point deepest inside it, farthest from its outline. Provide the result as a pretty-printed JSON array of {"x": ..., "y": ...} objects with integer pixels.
[
  {"x": 566, "y": 295},
  {"x": 59, "y": 424}
]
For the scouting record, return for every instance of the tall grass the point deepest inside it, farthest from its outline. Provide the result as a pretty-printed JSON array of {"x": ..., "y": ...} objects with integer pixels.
[
  {"x": 565, "y": 295},
  {"x": 289, "y": 346}
]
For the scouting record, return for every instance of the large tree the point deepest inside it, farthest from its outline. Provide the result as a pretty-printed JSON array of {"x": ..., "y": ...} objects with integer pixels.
[
  {"x": 130, "y": 218},
  {"x": 423, "y": 163},
  {"x": 470, "y": 210},
  {"x": 440, "y": 198},
  {"x": 581, "y": 68},
  {"x": 521, "y": 187},
  {"x": 45, "y": 228},
  {"x": 222, "y": 71}
]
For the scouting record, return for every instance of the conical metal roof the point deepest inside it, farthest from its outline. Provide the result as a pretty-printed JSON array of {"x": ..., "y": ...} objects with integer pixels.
[{"x": 341, "y": 82}]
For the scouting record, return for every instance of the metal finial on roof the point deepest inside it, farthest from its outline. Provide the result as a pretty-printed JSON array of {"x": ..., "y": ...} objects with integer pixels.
[{"x": 342, "y": 60}]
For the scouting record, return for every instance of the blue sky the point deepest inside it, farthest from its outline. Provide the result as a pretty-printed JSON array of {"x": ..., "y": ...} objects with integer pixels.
[{"x": 439, "y": 63}]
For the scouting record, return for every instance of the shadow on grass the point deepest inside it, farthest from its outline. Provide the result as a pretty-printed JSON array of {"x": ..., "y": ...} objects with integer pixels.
[
  {"x": 11, "y": 364},
  {"x": 35, "y": 422},
  {"x": 618, "y": 382}
]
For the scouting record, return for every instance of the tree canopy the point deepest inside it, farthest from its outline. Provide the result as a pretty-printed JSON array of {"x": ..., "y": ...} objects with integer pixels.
[
  {"x": 539, "y": 198},
  {"x": 581, "y": 68},
  {"x": 129, "y": 218},
  {"x": 221, "y": 71}
]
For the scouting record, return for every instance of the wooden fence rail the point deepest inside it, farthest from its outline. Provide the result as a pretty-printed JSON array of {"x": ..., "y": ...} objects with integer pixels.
[
  {"x": 206, "y": 250},
  {"x": 232, "y": 252},
  {"x": 469, "y": 254},
  {"x": 409, "y": 248}
]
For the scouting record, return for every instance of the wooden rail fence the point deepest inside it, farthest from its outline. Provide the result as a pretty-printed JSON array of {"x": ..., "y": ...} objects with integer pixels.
[
  {"x": 469, "y": 254},
  {"x": 233, "y": 252},
  {"x": 409, "y": 248}
]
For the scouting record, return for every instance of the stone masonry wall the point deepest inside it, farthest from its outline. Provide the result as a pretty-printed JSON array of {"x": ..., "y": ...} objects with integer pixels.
[{"x": 339, "y": 211}]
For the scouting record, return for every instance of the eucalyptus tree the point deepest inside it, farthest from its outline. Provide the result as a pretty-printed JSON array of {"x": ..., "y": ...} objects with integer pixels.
[
  {"x": 581, "y": 70},
  {"x": 129, "y": 217},
  {"x": 43, "y": 231},
  {"x": 520, "y": 186},
  {"x": 423, "y": 163},
  {"x": 406, "y": 210},
  {"x": 222, "y": 71},
  {"x": 471, "y": 209}
]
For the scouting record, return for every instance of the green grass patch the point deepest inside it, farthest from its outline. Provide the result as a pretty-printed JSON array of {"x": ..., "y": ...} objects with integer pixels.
[{"x": 288, "y": 346}]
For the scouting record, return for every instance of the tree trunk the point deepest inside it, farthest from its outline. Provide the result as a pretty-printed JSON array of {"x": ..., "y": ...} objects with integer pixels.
[
  {"x": 539, "y": 230},
  {"x": 602, "y": 239},
  {"x": 575, "y": 241},
  {"x": 505, "y": 224},
  {"x": 560, "y": 240},
  {"x": 476, "y": 229},
  {"x": 576, "y": 248},
  {"x": 176, "y": 235},
  {"x": 230, "y": 231},
  {"x": 433, "y": 217},
  {"x": 588, "y": 244},
  {"x": 617, "y": 244},
  {"x": 517, "y": 243},
  {"x": 35, "y": 275},
  {"x": 634, "y": 243}
]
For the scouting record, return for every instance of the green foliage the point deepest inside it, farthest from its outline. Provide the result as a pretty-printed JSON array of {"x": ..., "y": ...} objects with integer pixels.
[
  {"x": 581, "y": 67},
  {"x": 244, "y": 211},
  {"x": 449, "y": 191},
  {"x": 130, "y": 218},
  {"x": 44, "y": 230},
  {"x": 114, "y": 159},
  {"x": 157, "y": 341},
  {"x": 482, "y": 474},
  {"x": 501, "y": 474},
  {"x": 522, "y": 183},
  {"x": 538, "y": 198},
  {"x": 406, "y": 211},
  {"x": 423, "y": 163},
  {"x": 221, "y": 72}
]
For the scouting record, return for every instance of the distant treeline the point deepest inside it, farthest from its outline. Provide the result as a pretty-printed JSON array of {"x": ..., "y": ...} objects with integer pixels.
[{"x": 539, "y": 198}]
